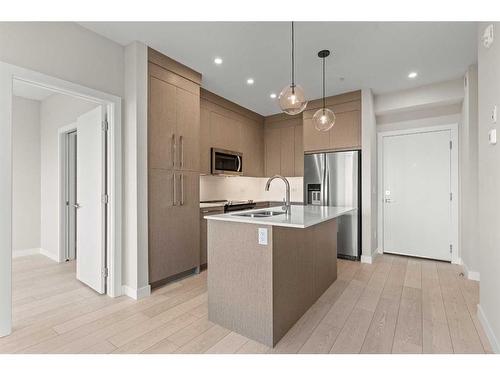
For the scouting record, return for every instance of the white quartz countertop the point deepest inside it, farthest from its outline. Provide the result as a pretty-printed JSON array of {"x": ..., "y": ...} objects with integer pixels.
[{"x": 300, "y": 216}]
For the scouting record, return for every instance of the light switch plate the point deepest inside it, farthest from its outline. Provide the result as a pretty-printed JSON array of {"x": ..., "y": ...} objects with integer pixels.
[
  {"x": 262, "y": 236},
  {"x": 492, "y": 136}
]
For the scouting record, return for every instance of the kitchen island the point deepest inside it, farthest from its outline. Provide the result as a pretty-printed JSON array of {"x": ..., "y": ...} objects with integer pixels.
[{"x": 267, "y": 267}]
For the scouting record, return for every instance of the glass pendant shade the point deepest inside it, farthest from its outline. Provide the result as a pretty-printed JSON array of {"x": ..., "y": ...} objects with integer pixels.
[
  {"x": 292, "y": 100},
  {"x": 324, "y": 119}
]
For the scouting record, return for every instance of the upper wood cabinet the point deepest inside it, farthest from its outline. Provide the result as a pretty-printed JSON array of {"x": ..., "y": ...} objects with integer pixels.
[
  {"x": 345, "y": 134},
  {"x": 174, "y": 121},
  {"x": 228, "y": 126},
  {"x": 284, "y": 153}
]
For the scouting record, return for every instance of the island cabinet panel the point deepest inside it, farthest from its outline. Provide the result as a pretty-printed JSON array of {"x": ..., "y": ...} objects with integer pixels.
[
  {"x": 284, "y": 152},
  {"x": 203, "y": 230},
  {"x": 261, "y": 290},
  {"x": 173, "y": 168},
  {"x": 345, "y": 134},
  {"x": 228, "y": 126}
]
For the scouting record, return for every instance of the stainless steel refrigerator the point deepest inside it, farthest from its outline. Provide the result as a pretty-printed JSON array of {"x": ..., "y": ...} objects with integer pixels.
[{"x": 333, "y": 179}]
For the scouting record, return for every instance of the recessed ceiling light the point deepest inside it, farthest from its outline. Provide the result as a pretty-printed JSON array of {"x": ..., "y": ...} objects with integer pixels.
[
  {"x": 413, "y": 75},
  {"x": 250, "y": 81},
  {"x": 272, "y": 96},
  {"x": 218, "y": 60}
]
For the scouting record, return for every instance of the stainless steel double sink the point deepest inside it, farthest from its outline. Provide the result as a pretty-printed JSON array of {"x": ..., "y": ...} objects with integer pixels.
[{"x": 260, "y": 214}]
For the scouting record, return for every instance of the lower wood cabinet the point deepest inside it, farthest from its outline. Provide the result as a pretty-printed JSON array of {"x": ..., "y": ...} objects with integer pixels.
[{"x": 173, "y": 233}]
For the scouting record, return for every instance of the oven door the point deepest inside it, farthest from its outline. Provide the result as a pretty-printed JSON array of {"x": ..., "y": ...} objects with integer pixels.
[{"x": 226, "y": 162}]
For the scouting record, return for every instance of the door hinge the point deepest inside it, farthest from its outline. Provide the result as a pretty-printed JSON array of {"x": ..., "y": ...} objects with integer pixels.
[
  {"x": 451, "y": 145},
  {"x": 105, "y": 198},
  {"x": 105, "y": 272},
  {"x": 451, "y": 196},
  {"x": 451, "y": 248},
  {"x": 105, "y": 125}
]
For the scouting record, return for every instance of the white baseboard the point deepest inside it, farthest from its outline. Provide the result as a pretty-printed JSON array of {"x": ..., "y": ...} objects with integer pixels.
[
  {"x": 495, "y": 345},
  {"x": 48, "y": 254},
  {"x": 25, "y": 252},
  {"x": 136, "y": 293},
  {"x": 471, "y": 275}
]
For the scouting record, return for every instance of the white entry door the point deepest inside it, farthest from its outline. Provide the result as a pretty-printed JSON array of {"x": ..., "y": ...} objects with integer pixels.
[
  {"x": 417, "y": 194},
  {"x": 90, "y": 233}
]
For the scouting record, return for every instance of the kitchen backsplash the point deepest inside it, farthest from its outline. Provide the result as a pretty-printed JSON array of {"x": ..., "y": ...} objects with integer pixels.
[{"x": 243, "y": 188}]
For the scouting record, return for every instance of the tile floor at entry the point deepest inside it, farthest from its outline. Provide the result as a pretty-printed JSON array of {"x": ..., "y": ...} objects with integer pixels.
[{"x": 396, "y": 305}]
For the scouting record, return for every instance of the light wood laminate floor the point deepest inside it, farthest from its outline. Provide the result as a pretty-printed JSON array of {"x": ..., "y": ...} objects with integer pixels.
[{"x": 396, "y": 305}]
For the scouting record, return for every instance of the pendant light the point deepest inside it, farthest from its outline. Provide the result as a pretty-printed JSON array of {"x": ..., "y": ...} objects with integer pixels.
[
  {"x": 292, "y": 99},
  {"x": 324, "y": 118}
]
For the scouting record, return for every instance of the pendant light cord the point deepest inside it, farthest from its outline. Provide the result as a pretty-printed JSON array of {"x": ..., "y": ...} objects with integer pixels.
[
  {"x": 293, "y": 59},
  {"x": 324, "y": 101}
]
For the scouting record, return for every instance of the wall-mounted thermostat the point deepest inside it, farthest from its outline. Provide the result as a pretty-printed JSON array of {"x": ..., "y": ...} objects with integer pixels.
[
  {"x": 488, "y": 36},
  {"x": 492, "y": 136}
]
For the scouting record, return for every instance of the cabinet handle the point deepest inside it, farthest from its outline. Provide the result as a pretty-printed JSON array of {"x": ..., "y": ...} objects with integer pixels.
[
  {"x": 172, "y": 150},
  {"x": 181, "y": 151},
  {"x": 182, "y": 190},
  {"x": 174, "y": 200}
]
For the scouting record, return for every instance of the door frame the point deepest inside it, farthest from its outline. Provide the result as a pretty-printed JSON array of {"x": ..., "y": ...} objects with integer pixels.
[
  {"x": 113, "y": 105},
  {"x": 454, "y": 183},
  {"x": 62, "y": 155}
]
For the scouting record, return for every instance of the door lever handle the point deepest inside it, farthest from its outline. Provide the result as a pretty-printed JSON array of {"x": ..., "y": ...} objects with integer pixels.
[
  {"x": 388, "y": 200},
  {"x": 76, "y": 205}
]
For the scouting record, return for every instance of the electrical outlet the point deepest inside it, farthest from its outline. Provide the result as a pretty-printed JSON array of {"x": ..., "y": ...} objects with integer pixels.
[{"x": 262, "y": 236}]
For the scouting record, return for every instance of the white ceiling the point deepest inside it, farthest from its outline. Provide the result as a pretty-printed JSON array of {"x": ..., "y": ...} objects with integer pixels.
[
  {"x": 365, "y": 54},
  {"x": 29, "y": 91}
]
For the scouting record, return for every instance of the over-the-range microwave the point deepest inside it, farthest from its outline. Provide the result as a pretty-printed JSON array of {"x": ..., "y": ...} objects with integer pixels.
[{"x": 225, "y": 162}]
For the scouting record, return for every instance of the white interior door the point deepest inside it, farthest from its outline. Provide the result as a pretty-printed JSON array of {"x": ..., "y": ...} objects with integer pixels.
[
  {"x": 416, "y": 194},
  {"x": 90, "y": 220}
]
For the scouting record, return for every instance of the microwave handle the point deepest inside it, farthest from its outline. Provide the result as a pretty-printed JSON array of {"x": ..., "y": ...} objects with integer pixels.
[{"x": 239, "y": 163}]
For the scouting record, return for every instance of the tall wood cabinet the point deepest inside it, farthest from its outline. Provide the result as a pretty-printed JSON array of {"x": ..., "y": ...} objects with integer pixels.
[
  {"x": 284, "y": 152},
  {"x": 173, "y": 168}
]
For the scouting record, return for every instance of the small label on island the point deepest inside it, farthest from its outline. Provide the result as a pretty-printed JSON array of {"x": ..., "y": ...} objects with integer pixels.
[{"x": 262, "y": 236}]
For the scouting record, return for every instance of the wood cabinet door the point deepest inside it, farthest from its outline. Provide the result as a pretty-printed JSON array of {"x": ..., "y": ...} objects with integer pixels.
[
  {"x": 287, "y": 152},
  {"x": 253, "y": 150},
  {"x": 272, "y": 151},
  {"x": 188, "y": 130},
  {"x": 161, "y": 124},
  {"x": 205, "y": 153},
  {"x": 298, "y": 151},
  {"x": 161, "y": 222},
  {"x": 346, "y": 133},
  {"x": 314, "y": 140},
  {"x": 225, "y": 132}
]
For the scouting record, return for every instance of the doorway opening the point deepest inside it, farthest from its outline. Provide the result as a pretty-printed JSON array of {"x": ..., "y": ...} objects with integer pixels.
[{"x": 70, "y": 195}]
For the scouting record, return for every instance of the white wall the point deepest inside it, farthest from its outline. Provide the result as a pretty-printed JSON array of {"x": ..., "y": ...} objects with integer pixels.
[
  {"x": 25, "y": 175},
  {"x": 64, "y": 50},
  {"x": 469, "y": 238},
  {"x": 135, "y": 178},
  {"x": 369, "y": 188},
  {"x": 244, "y": 188},
  {"x": 419, "y": 98},
  {"x": 55, "y": 112},
  {"x": 489, "y": 188}
]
